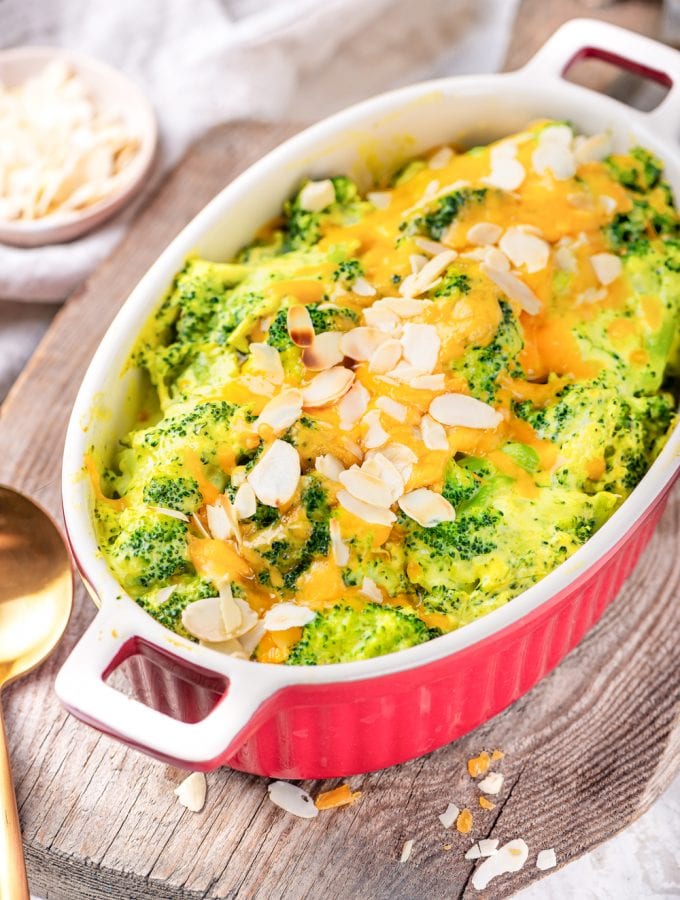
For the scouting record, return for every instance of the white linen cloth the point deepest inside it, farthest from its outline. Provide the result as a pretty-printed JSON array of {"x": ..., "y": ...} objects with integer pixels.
[{"x": 208, "y": 61}]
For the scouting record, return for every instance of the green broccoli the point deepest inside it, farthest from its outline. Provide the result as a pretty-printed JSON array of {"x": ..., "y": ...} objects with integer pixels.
[
  {"x": 327, "y": 319},
  {"x": 209, "y": 419},
  {"x": 453, "y": 284},
  {"x": 348, "y": 271},
  {"x": 178, "y": 493},
  {"x": 343, "y": 634},
  {"x": 169, "y": 612},
  {"x": 148, "y": 550},
  {"x": 302, "y": 228},
  {"x": 436, "y": 223},
  {"x": 639, "y": 171}
]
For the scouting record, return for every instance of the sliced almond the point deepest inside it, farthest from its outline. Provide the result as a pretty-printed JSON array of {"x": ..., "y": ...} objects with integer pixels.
[
  {"x": 432, "y": 248},
  {"x": 510, "y": 858},
  {"x": 421, "y": 346},
  {"x": 506, "y": 173},
  {"x": 385, "y": 357},
  {"x": 608, "y": 204},
  {"x": 379, "y": 199},
  {"x": 300, "y": 328},
  {"x": 249, "y": 618},
  {"x": 381, "y": 318},
  {"x": 352, "y": 406},
  {"x": 404, "y": 307},
  {"x": 459, "y": 409},
  {"x": 275, "y": 476},
  {"x": 222, "y": 521},
  {"x": 251, "y": 638},
  {"x": 441, "y": 158},
  {"x": 449, "y": 816},
  {"x": 329, "y": 466},
  {"x": 546, "y": 859},
  {"x": 607, "y": 267},
  {"x": 324, "y": 351},
  {"x": 282, "y": 616},
  {"x": 552, "y": 157},
  {"x": 375, "y": 435},
  {"x": 492, "y": 783},
  {"x": 363, "y": 288},
  {"x": 425, "y": 279},
  {"x": 229, "y": 609},
  {"x": 361, "y": 343},
  {"x": 292, "y": 799},
  {"x": 192, "y": 791},
  {"x": 417, "y": 261},
  {"x": 404, "y": 372},
  {"x": 401, "y": 456},
  {"x": 591, "y": 295},
  {"x": 266, "y": 359},
  {"x": 381, "y": 467},
  {"x": 316, "y": 196},
  {"x": 406, "y": 851},
  {"x": 327, "y": 387},
  {"x": 365, "y": 486},
  {"x": 203, "y": 619},
  {"x": 433, "y": 434},
  {"x": 484, "y": 233},
  {"x": 428, "y": 382},
  {"x": 230, "y": 647},
  {"x": 339, "y": 548},
  {"x": 256, "y": 384},
  {"x": 565, "y": 260},
  {"x": 592, "y": 149},
  {"x": 393, "y": 408},
  {"x": 426, "y": 507},
  {"x": 371, "y": 590},
  {"x": 514, "y": 288},
  {"x": 172, "y": 513},
  {"x": 245, "y": 502},
  {"x": 281, "y": 411},
  {"x": 374, "y": 515},
  {"x": 525, "y": 249}
]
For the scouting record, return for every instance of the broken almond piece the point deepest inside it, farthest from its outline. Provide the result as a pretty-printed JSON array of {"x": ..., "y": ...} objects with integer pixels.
[
  {"x": 281, "y": 411},
  {"x": 459, "y": 409},
  {"x": 282, "y": 616},
  {"x": 300, "y": 328},
  {"x": 327, "y": 387},
  {"x": 375, "y": 435},
  {"x": 329, "y": 465},
  {"x": 386, "y": 357},
  {"x": 361, "y": 343},
  {"x": 510, "y": 858},
  {"x": 266, "y": 360},
  {"x": 393, "y": 408},
  {"x": 191, "y": 792},
  {"x": 546, "y": 859},
  {"x": 525, "y": 249},
  {"x": 339, "y": 796},
  {"x": 276, "y": 475},
  {"x": 245, "y": 502},
  {"x": 449, "y": 816},
  {"x": 292, "y": 799},
  {"x": 421, "y": 346},
  {"x": 428, "y": 275},
  {"x": 316, "y": 196},
  {"x": 484, "y": 233},
  {"x": 370, "y": 590},
  {"x": 374, "y": 515},
  {"x": 426, "y": 507},
  {"x": 479, "y": 765},
  {"x": 406, "y": 851},
  {"x": 607, "y": 267},
  {"x": 492, "y": 783},
  {"x": 513, "y": 288},
  {"x": 339, "y": 548},
  {"x": 464, "y": 821},
  {"x": 433, "y": 434}
]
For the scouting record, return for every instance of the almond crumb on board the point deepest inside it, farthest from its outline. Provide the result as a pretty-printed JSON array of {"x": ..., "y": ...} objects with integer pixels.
[
  {"x": 464, "y": 821},
  {"x": 339, "y": 796},
  {"x": 479, "y": 765},
  {"x": 447, "y": 847},
  {"x": 546, "y": 859},
  {"x": 496, "y": 755},
  {"x": 406, "y": 851},
  {"x": 486, "y": 804}
]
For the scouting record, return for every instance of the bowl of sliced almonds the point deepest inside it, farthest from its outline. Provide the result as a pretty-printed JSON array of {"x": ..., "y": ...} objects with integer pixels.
[{"x": 77, "y": 139}]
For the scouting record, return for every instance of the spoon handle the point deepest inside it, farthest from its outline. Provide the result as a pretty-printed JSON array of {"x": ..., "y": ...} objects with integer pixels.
[{"x": 13, "y": 881}]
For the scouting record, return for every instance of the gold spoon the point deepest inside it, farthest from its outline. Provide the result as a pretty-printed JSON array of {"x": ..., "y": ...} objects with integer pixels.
[{"x": 36, "y": 595}]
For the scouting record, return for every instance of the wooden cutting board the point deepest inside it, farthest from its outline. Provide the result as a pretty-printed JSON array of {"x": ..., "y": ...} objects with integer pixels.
[{"x": 587, "y": 751}]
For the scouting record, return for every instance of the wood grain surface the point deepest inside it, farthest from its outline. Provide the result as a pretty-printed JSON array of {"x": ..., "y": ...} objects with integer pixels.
[{"x": 587, "y": 751}]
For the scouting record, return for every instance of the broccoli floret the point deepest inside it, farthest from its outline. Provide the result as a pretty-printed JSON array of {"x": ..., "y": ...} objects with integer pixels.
[
  {"x": 481, "y": 365},
  {"x": 149, "y": 552},
  {"x": 265, "y": 516},
  {"x": 348, "y": 271},
  {"x": 340, "y": 319},
  {"x": 169, "y": 612},
  {"x": 454, "y": 283},
  {"x": 203, "y": 419},
  {"x": 630, "y": 232},
  {"x": 179, "y": 493},
  {"x": 303, "y": 228},
  {"x": 436, "y": 223},
  {"x": 639, "y": 171},
  {"x": 343, "y": 634},
  {"x": 459, "y": 484}
]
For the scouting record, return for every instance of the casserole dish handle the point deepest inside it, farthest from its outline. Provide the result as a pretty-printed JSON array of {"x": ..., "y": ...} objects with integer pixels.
[
  {"x": 590, "y": 39},
  {"x": 82, "y": 688}
]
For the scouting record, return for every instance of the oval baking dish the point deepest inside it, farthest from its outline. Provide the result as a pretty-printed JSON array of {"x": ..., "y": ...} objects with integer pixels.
[{"x": 206, "y": 709}]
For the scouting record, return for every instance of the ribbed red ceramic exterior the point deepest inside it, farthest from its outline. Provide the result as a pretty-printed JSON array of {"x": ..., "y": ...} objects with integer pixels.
[{"x": 321, "y": 731}]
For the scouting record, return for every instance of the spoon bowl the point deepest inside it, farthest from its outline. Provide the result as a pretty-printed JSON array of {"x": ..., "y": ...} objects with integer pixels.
[{"x": 36, "y": 596}]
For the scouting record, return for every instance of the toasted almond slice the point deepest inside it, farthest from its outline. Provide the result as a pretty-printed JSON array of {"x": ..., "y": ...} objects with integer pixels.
[
  {"x": 492, "y": 783},
  {"x": 281, "y": 411},
  {"x": 361, "y": 343},
  {"x": 266, "y": 359},
  {"x": 510, "y": 858},
  {"x": 327, "y": 387},
  {"x": 191, "y": 792},
  {"x": 371, "y": 590},
  {"x": 338, "y": 546},
  {"x": 379, "y": 199},
  {"x": 365, "y": 486},
  {"x": 433, "y": 434},
  {"x": 381, "y": 467},
  {"x": 440, "y": 158},
  {"x": 363, "y": 288},
  {"x": 506, "y": 173},
  {"x": 592, "y": 149},
  {"x": 385, "y": 357},
  {"x": 449, "y": 816},
  {"x": 459, "y": 409},
  {"x": 484, "y": 233},
  {"x": 172, "y": 513},
  {"x": 231, "y": 614},
  {"x": 203, "y": 619},
  {"x": 245, "y": 502},
  {"x": 427, "y": 507},
  {"x": 375, "y": 435},
  {"x": 607, "y": 267},
  {"x": 525, "y": 249},
  {"x": 382, "y": 318},
  {"x": 432, "y": 248},
  {"x": 317, "y": 195},
  {"x": 324, "y": 351},
  {"x": 352, "y": 406},
  {"x": 275, "y": 476},
  {"x": 421, "y": 346},
  {"x": 406, "y": 851},
  {"x": 424, "y": 280},
  {"x": 393, "y": 408},
  {"x": 329, "y": 466},
  {"x": 546, "y": 859},
  {"x": 300, "y": 326},
  {"x": 282, "y": 616},
  {"x": 514, "y": 288},
  {"x": 292, "y": 799},
  {"x": 404, "y": 307},
  {"x": 374, "y": 515}
]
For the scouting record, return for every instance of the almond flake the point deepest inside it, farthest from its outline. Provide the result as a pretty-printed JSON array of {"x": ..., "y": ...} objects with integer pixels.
[
  {"x": 421, "y": 346},
  {"x": 221, "y": 520},
  {"x": 496, "y": 259},
  {"x": 406, "y": 851},
  {"x": 428, "y": 382},
  {"x": 484, "y": 233},
  {"x": 374, "y": 515},
  {"x": 393, "y": 408},
  {"x": 324, "y": 351},
  {"x": 245, "y": 502},
  {"x": 432, "y": 248},
  {"x": 381, "y": 318},
  {"x": 164, "y": 593},
  {"x": 173, "y": 513},
  {"x": 488, "y": 846},
  {"x": 441, "y": 158},
  {"x": 381, "y": 467},
  {"x": 449, "y": 816},
  {"x": 428, "y": 275},
  {"x": 510, "y": 858},
  {"x": 251, "y": 638},
  {"x": 608, "y": 204},
  {"x": 591, "y": 295},
  {"x": 258, "y": 385},
  {"x": 276, "y": 475},
  {"x": 427, "y": 507},
  {"x": 550, "y": 156},
  {"x": 546, "y": 859},
  {"x": 363, "y": 288},
  {"x": 300, "y": 326},
  {"x": 338, "y": 546},
  {"x": 404, "y": 307},
  {"x": 592, "y": 149},
  {"x": 525, "y": 249},
  {"x": 282, "y": 616},
  {"x": 474, "y": 852},
  {"x": 506, "y": 173},
  {"x": 317, "y": 195},
  {"x": 607, "y": 267},
  {"x": 581, "y": 200},
  {"x": 514, "y": 288},
  {"x": 203, "y": 619},
  {"x": 385, "y": 357},
  {"x": 361, "y": 343},
  {"x": 417, "y": 261},
  {"x": 379, "y": 199},
  {"x": 371, "y": 590},
  {"x": 230, "y": 647},
  {"x": 266, "y": 359},
  {"x": 352, "y": 406},
  {"x": 492, "y": 783},
  {"x": 433, "y": 434},
  {"x": 231, "y": 614},
  {"x": 191, "y": 792},
  {"x": 459, "y": 409},
  {"x": 249, "y": 618},
  {"x": 327, "y": 388},
  {"x": 281, "y": 411},
  {"x": 401, "y": 457},
  {"x": 329, "y": 465},
  {"x": 292, "y": 799},
  {"x": 565, "y": 260},
  {"x": 404, "y": 372},
  {"x": 375, "y": 435},
  {"x": 366, "y": 487}
]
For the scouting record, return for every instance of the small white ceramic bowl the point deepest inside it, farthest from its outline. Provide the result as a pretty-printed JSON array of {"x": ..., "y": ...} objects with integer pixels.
[{"x": 113, "y": 92}]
